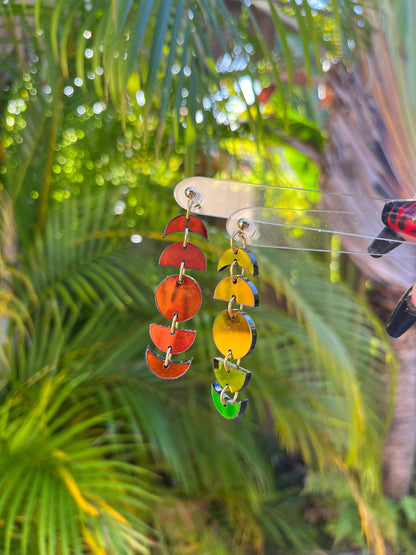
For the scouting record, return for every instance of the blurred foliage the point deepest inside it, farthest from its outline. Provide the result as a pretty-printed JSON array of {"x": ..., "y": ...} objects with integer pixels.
[{"x": 109, "y": 105}]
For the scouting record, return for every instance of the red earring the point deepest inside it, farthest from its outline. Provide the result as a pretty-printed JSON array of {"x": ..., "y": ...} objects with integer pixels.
[{"x": 178, "y": 297}]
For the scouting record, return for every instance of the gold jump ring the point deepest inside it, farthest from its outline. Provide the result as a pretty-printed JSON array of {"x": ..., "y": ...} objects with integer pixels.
[
  {"x": 230, "y": 308},
  {"x": 185, "y": 239},
  {"x": 190, "y": 194},
  {"x": 181, "y": 272},
  {"x": 168, "y": 357},
  {"x": 227, "y": 356},
  {"x": 229, "y": 401},
  {"x": 239, "y": 234},
  {"x": 173, "y": 326},
  {"x": 233, "y": 275}
]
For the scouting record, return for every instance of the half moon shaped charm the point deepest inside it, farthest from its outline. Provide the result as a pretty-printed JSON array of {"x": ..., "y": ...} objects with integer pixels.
[
  {"x": 191, "y": 255},
  {"x": 179, "y": 341},
  {"x": 236, "y": 378},
  {"x": 183, "y": 299},
  {"x": 228, "y": 410},
  {"x": 179, "y": 223},
  {"x": 244, "y": 291},
  {"x": 244, "y": 258},
  {"x": 170, "y": 372}
]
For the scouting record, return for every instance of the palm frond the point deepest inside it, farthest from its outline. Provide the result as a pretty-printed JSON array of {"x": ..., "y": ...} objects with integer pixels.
[
  {"x": 85, "y": 493},
  {"x": 126, "y": 51},
  {"x": 341, "y": 343},
  {"x": 82, "y": 419},
  {"x": 85, "y": 256}
]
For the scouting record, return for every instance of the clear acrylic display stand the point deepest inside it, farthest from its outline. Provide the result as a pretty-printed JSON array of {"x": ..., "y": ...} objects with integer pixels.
[{"x": 287, "y": 227}]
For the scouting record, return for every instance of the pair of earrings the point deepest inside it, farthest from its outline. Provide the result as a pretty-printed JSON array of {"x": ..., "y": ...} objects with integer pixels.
[{"x": 179, "y": 298}]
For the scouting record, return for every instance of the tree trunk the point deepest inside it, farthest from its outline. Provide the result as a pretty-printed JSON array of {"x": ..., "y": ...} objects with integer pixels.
[
  {"x": 370, "y": 153},
  {"x": 399, "y": 448}
]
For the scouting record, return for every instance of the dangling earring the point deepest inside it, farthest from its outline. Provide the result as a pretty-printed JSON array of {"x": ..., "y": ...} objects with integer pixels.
[
  {"x": 233, "y": 330},
  {"x": 178, "y": 297}
]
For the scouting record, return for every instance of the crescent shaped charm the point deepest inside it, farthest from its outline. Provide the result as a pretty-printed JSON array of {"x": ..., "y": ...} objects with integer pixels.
[
  {"x": 244, "y": 258},
  {"x": 179, "y": 223},
  {"x": 236, "y": 378},
  {"x": 228, "y": 410},
  {"x": 172, "y": 371}
]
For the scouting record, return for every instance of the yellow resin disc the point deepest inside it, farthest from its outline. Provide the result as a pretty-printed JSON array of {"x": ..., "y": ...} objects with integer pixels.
[
  {"x": 237, "y": 334},
  {"x": 236, "y": 378},
  {"x": 243, "y": 289},
  {"x": 244, "y": 258}
]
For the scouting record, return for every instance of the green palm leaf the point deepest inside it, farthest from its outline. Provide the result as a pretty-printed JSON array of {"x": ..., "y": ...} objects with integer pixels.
[
  {"x": 82, "y": 419},
  {"x": 81, "y": 485},
  {"x": 173, "y": 36}
]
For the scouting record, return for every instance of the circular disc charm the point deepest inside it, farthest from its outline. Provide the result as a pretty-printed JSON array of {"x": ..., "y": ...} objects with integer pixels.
[
  {"x": 183, "y": 298},
  {"x": 237, "y": 334}
]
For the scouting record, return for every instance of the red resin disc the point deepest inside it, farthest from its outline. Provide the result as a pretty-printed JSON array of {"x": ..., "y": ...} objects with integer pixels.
[
  {"x": 179, "y": 223},
  {"x": 184, "y": 298},
  {"x": 172, "y": 371},
  {"x": 174, "y": 254},
  {"x": 180, "y": 341}
]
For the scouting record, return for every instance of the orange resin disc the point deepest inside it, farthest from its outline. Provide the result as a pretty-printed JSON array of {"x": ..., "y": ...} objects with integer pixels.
[
  {"x": 179, "y": 223},
  {"x": 179, "y": 342},
  {"x": 183, "y": 299},
  {"x": 191, "y": 255},
  {"x": 237, "y": 334},
  {"x": 171, "y": 372}
]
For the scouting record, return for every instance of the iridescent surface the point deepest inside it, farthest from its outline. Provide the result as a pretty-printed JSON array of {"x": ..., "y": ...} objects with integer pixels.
[
  {"x": 236, "y": 378},
  {"x": 182, "y": 298},
  {"x": 195, "y": 225},
  {"x": 237, "y": 334},
  {"x": 243, "y": 289},
  {"x": 228, "y": 411},
  {"x": 174, "y": 254},
  {"x": 171, "y": 372},
  {"x": 179, "y": 342},
  {"x": 244, "y": 258}
]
